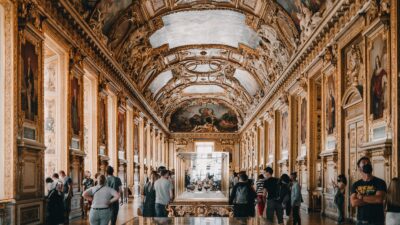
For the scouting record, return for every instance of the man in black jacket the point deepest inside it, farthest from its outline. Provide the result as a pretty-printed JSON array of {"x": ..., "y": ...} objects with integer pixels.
[
  {"x": 272, "y": 193},
  {"x": 242, "y": 198}
]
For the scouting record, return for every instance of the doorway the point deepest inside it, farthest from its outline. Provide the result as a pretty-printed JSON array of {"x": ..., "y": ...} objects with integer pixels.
[{"x": 354, "y": 135}]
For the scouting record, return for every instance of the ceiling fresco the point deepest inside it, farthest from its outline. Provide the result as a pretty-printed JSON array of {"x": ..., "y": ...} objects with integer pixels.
[
  {"x": 180, "y": 53},
  {"x": 204, "y": 118}
]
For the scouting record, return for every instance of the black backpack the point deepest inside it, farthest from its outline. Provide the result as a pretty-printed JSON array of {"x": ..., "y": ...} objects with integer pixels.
[{"x": 242, "y": 193}]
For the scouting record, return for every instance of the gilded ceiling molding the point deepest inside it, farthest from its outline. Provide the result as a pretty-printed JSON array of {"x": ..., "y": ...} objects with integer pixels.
[
  {"x": 340, "y": 16},
  {"x": 269, "y": 115},
  {"x": 190, "y": 135},
  {"x": 73, "y": 26}
]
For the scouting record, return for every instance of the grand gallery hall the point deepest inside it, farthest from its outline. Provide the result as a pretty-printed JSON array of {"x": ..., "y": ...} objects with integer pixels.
[{"x": 195, "y": 112}]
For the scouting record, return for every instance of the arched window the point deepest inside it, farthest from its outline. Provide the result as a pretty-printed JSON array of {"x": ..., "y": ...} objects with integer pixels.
[{"x": 204, "y": 147}]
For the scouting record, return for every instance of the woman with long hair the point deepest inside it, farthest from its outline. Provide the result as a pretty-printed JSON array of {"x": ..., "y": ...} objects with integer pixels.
[
  {"x": 149, "y": 196},
  {"x": 340, "y": 188},
  {"x": 393, "y": 202}
]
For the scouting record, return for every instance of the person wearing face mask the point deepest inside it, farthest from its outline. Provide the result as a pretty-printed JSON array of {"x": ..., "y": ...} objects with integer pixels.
[{"x": 367, "y": 195}]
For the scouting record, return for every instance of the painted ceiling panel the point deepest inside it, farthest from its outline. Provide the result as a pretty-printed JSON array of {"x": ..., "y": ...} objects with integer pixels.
[
  {"x": 247, "y": 81},
  {"x": 161, "y": 80},
  {"x": 204, "y": 118},
  {"x": 225, "y": 27},
  {"x": 203, "y": 89}
]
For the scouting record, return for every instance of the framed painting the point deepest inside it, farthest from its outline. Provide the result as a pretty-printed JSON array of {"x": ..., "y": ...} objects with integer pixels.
[
  {"x": 330, "y": 111},
  {"x": 75, "y": 106},
  {"x": 102, "y": 121},
  {"x": 378, "y": 73},
  {"x": 284, "y": 133},
  {"x": 121, "y": 130},
  {"x": 30, "y": 86},
  {"x": 303, "y": 121}
]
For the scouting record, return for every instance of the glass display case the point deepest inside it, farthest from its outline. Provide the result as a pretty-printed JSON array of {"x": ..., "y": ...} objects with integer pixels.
[
  {"x": 202, "y": 177},
  {"x": 201, "y": 185}
]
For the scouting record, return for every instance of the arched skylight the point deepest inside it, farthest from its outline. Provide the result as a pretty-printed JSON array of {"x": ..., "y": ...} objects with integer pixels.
[{"x": 225, "y": 27}]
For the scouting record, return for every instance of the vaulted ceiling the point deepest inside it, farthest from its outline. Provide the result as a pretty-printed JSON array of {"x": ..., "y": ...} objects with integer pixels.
[{"x": 200, "y": 53}]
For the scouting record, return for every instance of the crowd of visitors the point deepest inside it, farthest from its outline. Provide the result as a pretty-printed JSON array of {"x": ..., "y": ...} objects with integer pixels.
[
  {"x": 100, "y": 195},
  {"x": 157, "y": 193},
  {"x": 59, "y": 196},
  {"x": 273, "y": 196}
]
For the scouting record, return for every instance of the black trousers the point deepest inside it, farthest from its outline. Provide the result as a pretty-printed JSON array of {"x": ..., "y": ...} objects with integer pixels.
[
  {"x": 114, "y": 212},
  {"x": 243, "y": 210},
  {"x": 296, "y": 215}
]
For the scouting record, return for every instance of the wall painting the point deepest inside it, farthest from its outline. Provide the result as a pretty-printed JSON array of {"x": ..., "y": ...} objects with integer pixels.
[
  {"x": 29, "y": 81},
  {"x": 379, "y": 78},
  {"x": 75, "y": 106},
  {"x": 330, "y": 106},
  {"x": 284, "y": 133},
  {"x": 303, "y": 121},
  {"x": 121, "y": 131},
  {"x": 103, "y": 121}
]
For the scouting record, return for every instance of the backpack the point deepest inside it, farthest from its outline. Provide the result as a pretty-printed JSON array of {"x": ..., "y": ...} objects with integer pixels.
[{"x": 242, "y": 193}]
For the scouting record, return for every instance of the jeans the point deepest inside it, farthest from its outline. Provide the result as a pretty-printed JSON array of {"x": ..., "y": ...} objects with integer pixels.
[
  {"x": 114, "y": 212},
  {"x": 274, "y": 206},
  {"x": 296, "y": 215},
  {"x": 99, "y": 217},
  {"x": 161, "y": 210}
]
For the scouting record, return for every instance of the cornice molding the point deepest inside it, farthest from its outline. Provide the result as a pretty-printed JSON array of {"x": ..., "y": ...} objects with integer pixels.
[
  {"x": 340, "y": 16},
  {"x": 205, "y": 135},
  {"x": 81, "y": 36}
]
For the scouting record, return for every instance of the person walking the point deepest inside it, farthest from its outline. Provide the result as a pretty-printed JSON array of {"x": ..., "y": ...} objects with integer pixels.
[
  {"x": 260, "y": 194},
  {"x": 102, "y": 198},
  {"x": 284, "y": 194},
  {"x": 295, "y": 199},
  {"x": 163, "y": 188},
  {"x": 87, "y": 183},
  {"x": 271, "y": 193},
  {"x": 55, "y": 204},
  {"x": 340, "y": 189},
  {"x": 393, "y": 202},
  {"x": 149, "y": 196},
  {"x": 116, "y": 184},
  {"x": 367, "y": 195},
  {"x": 67, "y": 190},
  {"x": 242, "y": 198}
]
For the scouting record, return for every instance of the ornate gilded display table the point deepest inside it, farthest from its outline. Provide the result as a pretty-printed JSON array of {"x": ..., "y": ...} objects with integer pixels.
[
  {"x": 200, "y": 209},
  {"x": 197, "y": 221}
]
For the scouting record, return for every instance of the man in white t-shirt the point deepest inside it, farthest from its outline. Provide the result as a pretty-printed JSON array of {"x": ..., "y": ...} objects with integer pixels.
[{"x": 164, "y": 193}]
